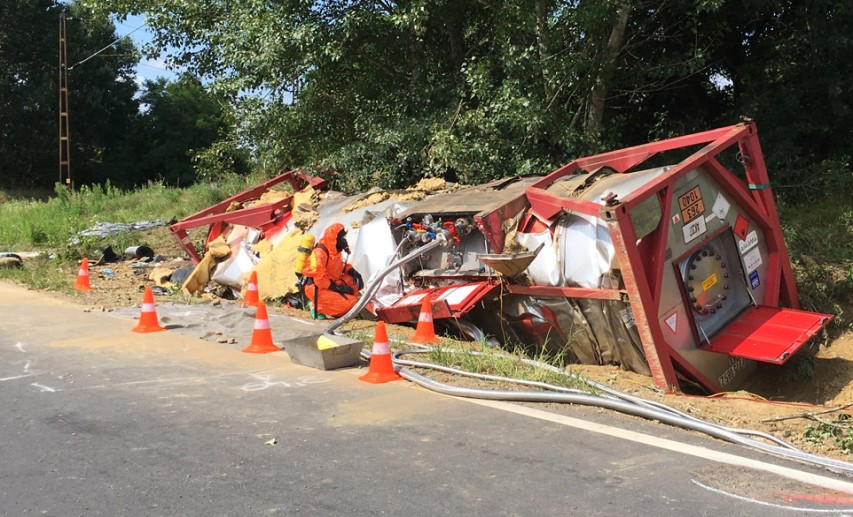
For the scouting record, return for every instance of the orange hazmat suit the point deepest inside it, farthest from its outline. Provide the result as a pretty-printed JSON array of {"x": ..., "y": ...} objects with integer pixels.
[{"x": 332, "y": 288}]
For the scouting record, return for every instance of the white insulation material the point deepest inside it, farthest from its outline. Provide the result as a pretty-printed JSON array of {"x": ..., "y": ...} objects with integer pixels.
[
  {"x": 585, "y": 247},
  {"x": 375, "y": 237},
  {"x": 543, "y": 270},
  {"x": 583, "y": 253},
  {"x": 232, "y": 271}
]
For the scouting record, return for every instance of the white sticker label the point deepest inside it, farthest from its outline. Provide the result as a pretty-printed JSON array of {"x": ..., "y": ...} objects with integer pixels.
[
  {"x": 672, "y": 321},
  {"x": 752, "y": 260},
  {"x": 721, "y": 207},
  {"x": 627, "y": 317},
  {"x": 748, "y": 243},
  {"x": 694, "y": 229}
]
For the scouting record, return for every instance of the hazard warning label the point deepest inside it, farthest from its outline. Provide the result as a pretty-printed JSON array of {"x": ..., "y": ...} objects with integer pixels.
[{"x": 672, "y": 322}]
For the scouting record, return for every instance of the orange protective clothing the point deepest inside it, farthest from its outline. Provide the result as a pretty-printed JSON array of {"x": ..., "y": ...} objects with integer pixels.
[{"x": 324, "y": 267}]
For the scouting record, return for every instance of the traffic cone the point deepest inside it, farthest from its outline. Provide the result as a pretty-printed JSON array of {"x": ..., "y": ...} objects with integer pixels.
[
  {"x": 82, "y": 283},
  {"x": 148, "y": 317},
  {"x": 425, "y": 332},
  {"x": 251, "y": 298},
  {"x": 261, "y": 336},
  {"x": 381, "y": 367}
]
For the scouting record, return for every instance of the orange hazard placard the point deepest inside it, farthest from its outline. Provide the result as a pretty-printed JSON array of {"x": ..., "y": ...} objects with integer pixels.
[{"x": 691, "y": 204}]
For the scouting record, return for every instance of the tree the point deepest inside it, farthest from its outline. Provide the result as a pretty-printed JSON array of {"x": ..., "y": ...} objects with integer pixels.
[
  {"x": 101, "y": 105},
  {"x": 792, "y": 75},
  {"x": 385, "y": 92},
  {"x": 180, "y": 119}
]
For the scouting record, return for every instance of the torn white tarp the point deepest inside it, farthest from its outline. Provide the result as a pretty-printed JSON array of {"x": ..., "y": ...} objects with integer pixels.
[
  {"x": 232, "y": 271},
  {"x": 375, "y": 236},
  {"x": 585, "y": 249},
  {"x": 583, "y": 242}
]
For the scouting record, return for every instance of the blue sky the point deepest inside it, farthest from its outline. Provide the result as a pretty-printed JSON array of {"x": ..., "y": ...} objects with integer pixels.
[{"x": 140, "y": 34}]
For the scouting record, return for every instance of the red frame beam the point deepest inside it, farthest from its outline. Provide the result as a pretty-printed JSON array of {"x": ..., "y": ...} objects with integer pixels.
[
  {"x": 216, "y": 216},
  {"x": 547, "y": 291}
]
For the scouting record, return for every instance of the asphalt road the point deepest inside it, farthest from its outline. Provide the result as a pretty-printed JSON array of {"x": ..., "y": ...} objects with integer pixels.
[{"x": 97, "y": 420}]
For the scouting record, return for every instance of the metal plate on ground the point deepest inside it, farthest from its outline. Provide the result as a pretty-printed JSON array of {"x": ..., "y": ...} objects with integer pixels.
[{"x": 303, "y": 350}]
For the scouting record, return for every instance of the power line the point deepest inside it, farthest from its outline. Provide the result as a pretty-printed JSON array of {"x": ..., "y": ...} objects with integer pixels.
[
  {"x": 105, "y": 48},
  {"x": 155, "y": 67}
]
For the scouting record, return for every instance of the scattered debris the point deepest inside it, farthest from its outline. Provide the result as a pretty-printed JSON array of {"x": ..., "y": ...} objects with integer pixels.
[
  {"x": 139, "y": 252},
  {"x": 11, "y": 260},
  {"x": 180, "y": 275},
  {"x": 102, "y": 230},
  {"x": 162, "y": 276},
  {"x": 552, "y": 261},
  {"x": 217, "y": 251},
  {"x": 108, "y": 255}
]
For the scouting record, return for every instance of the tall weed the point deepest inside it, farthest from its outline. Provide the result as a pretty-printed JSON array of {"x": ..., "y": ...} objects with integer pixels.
[
  {"x": 820, "y": 243},
  {"x": 30, "y": 225}
]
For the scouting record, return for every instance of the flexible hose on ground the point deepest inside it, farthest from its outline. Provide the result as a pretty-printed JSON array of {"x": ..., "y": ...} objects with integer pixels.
[
  {"x": 609, "y": 392},
  {"x": 616, "y": 401},
  {"x": 612, "y": 399}
]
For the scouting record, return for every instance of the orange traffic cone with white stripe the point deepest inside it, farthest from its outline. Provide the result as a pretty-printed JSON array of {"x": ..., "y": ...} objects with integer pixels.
[
  {"x": 148, "y": 317},
  {"x": 82, "y": 283},
  {"x": 261, "y": 335},
  {"x": 425, "y": 332},
  {"x": 381, "y": 367},
  {"x": 251, "y": 298}
]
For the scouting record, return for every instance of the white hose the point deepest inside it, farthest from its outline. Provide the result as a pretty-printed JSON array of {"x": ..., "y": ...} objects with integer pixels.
[{"x": 614, "y": 400}]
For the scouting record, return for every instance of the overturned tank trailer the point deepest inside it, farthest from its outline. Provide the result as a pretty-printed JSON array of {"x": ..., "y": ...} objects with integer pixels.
[{"x": 656, "y": 258}]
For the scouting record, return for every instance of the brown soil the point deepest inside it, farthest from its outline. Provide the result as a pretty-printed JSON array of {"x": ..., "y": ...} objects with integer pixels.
[{"x": 782, "y": 401}]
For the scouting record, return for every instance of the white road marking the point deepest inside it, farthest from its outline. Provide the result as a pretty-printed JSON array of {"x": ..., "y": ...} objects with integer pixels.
[
  {"x": 16, "y": 377},
  {"x": 20, "y": 346},
  {"x": 265, "y": 381},
  {"x": 772, "y": 505},
  {"x": 671, "y": 445},
  {"x": 43, "y": 388}
]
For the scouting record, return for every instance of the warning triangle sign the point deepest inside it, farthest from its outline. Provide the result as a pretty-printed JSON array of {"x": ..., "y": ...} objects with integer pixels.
[{"x": 672, "y": 321}]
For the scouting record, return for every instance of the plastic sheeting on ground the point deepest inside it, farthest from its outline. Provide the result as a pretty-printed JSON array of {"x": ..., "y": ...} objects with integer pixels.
[{"x": 102, "y": 230}]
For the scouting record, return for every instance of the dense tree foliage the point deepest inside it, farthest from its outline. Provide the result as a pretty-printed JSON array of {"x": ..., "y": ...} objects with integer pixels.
[
  {"x": 387, "y": 91},
  {"x": 111, "y": 139},
  {"x": 101, "y": 106},
  {"x": 384, "y": 92},
  {"x": 180, "y": 119}
]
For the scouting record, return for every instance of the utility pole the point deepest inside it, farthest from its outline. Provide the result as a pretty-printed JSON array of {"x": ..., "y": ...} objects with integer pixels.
[{"x": 64, "y": 138}]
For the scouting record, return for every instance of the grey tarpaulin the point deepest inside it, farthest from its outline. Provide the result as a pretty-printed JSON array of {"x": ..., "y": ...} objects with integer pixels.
[{"x": 102, "y": 230}]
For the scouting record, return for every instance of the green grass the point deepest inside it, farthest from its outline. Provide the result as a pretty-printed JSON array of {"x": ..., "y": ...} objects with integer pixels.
[
  {"x": 490, "y": 361},
  {"x": 820, "y": 244},
  {"x": 48, "y": 225},
  {"x": 43, "y": 273}
]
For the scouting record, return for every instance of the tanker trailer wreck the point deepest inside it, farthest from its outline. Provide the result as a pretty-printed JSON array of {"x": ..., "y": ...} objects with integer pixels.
[
  {"x": 677, "y": 271},
  {"x": 656, "y": 258}
]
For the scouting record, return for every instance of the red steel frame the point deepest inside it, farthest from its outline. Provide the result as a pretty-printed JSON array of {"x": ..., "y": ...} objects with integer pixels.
[
  {"x": 218, "y": 219},
  {"x": 643, "y": 266}
]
